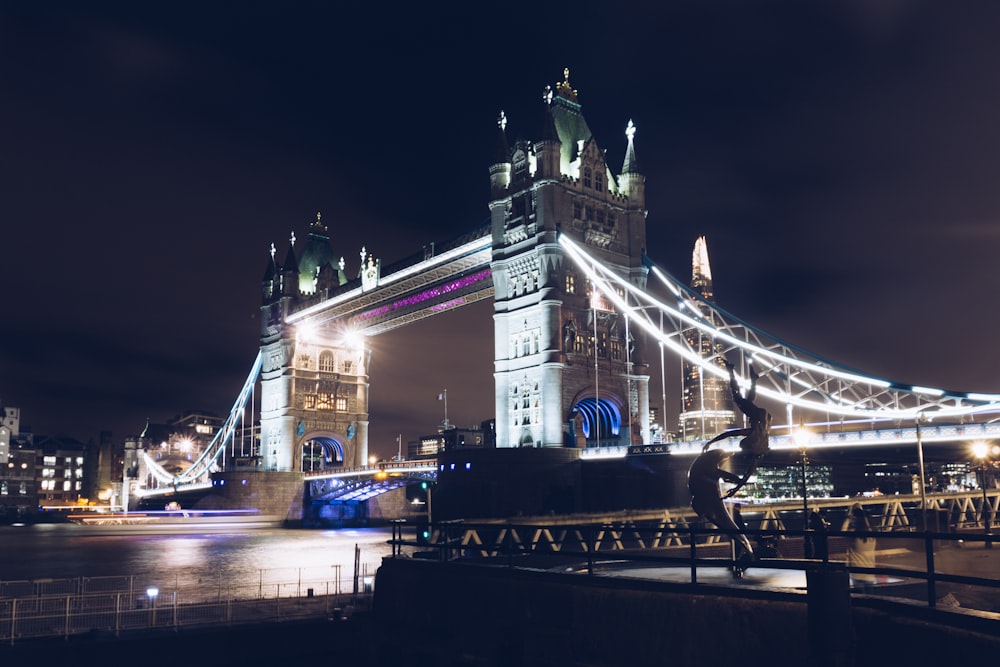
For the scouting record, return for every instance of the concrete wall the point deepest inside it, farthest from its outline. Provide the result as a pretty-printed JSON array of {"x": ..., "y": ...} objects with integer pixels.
[{"x": 456, "y": 613}]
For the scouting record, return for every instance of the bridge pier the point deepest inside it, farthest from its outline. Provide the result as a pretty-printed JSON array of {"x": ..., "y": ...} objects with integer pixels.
[{"x": 274, "y": 494}]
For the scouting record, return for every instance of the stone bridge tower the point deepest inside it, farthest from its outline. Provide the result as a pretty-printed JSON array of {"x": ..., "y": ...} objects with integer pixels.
[
  {"x": 314, "y": 377},
  {"x": 568, "y": 370}
]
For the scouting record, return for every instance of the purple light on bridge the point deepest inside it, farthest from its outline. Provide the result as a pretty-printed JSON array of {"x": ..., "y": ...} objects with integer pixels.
[
  {"x": 448, "y": 304},
  {"x": 434, "y": 292}
]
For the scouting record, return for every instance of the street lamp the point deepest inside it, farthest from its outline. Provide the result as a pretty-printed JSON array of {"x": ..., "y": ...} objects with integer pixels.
[
  {"x": 151, "y": 593},
  {"x": 801, "y": 437},
  {"x": 981, "y": 451}
]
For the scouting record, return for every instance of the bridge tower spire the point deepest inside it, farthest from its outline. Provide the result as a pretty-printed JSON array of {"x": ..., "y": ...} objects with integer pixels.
[{"x": 568, "y": 371}]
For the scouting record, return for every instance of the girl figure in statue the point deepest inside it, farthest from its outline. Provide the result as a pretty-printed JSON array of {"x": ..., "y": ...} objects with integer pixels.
[{"x": 708, "y": 471}]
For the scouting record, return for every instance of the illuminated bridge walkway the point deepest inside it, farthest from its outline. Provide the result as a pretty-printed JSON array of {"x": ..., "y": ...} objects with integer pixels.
[{"x": 806, "y": 388}]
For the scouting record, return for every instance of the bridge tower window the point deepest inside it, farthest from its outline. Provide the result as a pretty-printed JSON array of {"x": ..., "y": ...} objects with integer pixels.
[
  {"x": 326, "y": 362},
  {"x": 341, "y": 404},
  {"x": 570, "y": 283},
  {"x": 587, "y": 177}
]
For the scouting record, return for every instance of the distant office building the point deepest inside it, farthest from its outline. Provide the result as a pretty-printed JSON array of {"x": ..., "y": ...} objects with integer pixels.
[
  {"x": 707, "y": 408},
  {"x": 18, "y": 488},
  {"x": 59, "y": 468}
]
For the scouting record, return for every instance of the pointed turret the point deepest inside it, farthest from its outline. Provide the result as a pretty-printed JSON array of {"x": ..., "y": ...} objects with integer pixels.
[
  {"x": 290, "y": 271},
  {"x": 548, "y": 147},
  {"x": 271, "y": 282},
  {"x": 570, "y": 124},
  {"x": 317, "y": 259},
  {"x": 632, "y": 182},
  {"x": 500, "y": 169}
]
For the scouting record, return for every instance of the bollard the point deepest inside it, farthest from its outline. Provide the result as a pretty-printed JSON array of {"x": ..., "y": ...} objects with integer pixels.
[{"x": 831, "y": 629}]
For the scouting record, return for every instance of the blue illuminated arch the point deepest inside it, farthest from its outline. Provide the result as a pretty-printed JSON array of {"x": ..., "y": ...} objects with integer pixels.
[
  {"x": 322, "y": 453},
  {"x": 599, "y": 417}
]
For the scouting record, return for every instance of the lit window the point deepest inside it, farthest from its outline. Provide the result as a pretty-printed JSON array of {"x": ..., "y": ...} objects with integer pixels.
[
  {"x": 341, "y": 403},
  {"x": 79, "y": 460},
  {"x": 49, "y": 460},
  {"x": 570, "y": 283},
  {"x": 67, "y": 485},
  {"x": 324, "y": 400},
  {"x": 326, "y": 362},
  {"x": 78, "y": 486}
]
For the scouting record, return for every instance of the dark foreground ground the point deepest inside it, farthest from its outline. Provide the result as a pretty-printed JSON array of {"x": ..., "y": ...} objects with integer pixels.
[{"x": 316, "y": 642}]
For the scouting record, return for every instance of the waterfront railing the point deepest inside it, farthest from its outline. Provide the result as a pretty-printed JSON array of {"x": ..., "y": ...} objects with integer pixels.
[
  {"x": 110, "y": 606},
  {"x": 956, "y": 569}
]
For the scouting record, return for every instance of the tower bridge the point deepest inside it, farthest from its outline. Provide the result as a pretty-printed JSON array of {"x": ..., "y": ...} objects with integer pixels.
[{"x": 582, "y": 315}]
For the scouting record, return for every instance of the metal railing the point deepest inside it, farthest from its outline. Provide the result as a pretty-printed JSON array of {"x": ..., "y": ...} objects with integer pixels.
[
  {"x": 937, "y": 569},
  {"x": 115, "y": 605}
]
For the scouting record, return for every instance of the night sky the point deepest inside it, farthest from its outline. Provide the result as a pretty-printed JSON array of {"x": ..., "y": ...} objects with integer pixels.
[{"x": 841, "y": 158}]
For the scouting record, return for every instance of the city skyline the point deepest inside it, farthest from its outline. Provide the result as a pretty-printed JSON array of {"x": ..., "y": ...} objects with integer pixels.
[{"x": 837, "y": 159}]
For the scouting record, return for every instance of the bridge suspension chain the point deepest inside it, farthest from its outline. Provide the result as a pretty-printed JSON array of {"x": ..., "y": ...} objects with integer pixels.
[
  {"x": 203, "y": 464},
  {"x": 788, "y": 374}
]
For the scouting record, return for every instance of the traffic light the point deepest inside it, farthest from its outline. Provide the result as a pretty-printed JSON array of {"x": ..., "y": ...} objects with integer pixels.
[{"x": 423, "y": 532}]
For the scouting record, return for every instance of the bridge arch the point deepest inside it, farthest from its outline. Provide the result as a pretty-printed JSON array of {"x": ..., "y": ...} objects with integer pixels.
[
  {"x": 596, "y": 420},
  {"x": 322, "y": 450}
]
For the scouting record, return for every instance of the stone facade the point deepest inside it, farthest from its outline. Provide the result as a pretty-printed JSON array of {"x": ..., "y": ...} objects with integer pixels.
[
  {"x": 567, "y": 370},
  {"x": 314, "y": 377}
]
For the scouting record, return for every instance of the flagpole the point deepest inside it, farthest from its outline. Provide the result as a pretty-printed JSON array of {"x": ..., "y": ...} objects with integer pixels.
[{"x": 446, "y": 409}]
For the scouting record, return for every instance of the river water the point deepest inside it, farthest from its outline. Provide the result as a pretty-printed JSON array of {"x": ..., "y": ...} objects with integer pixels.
[{"x": 186, "y": 560}]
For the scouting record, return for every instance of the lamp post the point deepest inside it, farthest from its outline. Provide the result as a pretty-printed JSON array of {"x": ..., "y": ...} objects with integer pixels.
[
  {"x": 981, "y": 451},
  {"x": 151, "y": 593},
  {"x": 801, "y": 438},
  {"x": 920, "y": 460}
]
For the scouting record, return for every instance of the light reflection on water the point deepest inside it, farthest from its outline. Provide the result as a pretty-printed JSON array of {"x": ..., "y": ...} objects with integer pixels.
[{"x": 239, "y": 556}]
